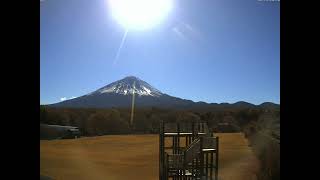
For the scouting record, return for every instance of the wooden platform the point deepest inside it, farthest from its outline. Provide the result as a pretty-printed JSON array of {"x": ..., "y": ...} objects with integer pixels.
[{"x": 181, "y": 134}]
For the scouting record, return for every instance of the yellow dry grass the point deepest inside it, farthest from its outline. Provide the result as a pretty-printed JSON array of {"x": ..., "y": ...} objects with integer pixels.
[{"x": 121, "y": 157}]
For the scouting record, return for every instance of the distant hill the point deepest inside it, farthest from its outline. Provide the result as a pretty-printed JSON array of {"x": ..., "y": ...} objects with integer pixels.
[{"x": 269, "y": 105}]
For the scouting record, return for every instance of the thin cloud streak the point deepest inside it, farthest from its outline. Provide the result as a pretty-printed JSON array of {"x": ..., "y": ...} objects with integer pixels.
[{"x": 179, "y": 33}]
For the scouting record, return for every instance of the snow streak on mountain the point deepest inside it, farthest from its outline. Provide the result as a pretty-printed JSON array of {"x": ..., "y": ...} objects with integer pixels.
[{"x": 125, "y": 87}]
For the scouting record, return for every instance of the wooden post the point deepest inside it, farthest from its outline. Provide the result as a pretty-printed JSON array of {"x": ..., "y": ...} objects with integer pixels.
[
  {"x": 207, "y": 168},
  {"x": 167, "y": 166},
  {"x": 178, "y": 138},
  {"x": 192, "y": 169},
  {"x": 201, "y": 157},
  {"x": 187, "y": 141},
  {"x": 174, "y": 144},
  {"x": 161, "y": 151},
  {"x": 217, "y": 158},
  {"x": 160, "y": 156},
  {"x": 193, "y": 132},
  {"x": 197, "y": 167},
  {"x": 211, "y": 165},
  {"x": 185, "y": 164}
]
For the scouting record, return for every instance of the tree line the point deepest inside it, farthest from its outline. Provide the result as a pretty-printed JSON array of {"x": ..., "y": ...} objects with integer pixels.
[{"x": 92, "y": 121}]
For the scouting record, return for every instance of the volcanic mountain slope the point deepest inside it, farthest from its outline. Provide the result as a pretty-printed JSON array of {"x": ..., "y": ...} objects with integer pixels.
[{"x": 120, "y": 94}]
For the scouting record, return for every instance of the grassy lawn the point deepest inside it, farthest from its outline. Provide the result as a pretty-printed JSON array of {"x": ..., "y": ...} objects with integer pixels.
[{"x": 121, "y": 157}]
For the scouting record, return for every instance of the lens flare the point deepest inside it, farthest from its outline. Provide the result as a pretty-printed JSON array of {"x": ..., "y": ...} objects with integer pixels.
[{"x": 140, "y": 14}]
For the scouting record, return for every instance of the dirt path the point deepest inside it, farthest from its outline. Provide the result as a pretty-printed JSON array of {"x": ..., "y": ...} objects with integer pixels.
[{"x": 132, "y": 157}]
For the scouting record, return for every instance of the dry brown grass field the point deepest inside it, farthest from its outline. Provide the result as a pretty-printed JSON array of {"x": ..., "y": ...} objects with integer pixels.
[{"x": 135, "y": 157}]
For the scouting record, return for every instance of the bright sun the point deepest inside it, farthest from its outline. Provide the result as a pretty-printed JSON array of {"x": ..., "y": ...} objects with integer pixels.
[{"x": 140, "y": 14}]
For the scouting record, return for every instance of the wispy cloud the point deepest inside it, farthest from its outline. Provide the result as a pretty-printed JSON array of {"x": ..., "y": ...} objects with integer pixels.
[
  {"x": 193, "y": 30},
  {"x": 178, "y": 32},
  {"x": 186, "y": 31}
]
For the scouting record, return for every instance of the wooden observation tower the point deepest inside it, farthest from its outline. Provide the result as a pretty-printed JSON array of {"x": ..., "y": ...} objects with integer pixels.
[{"x": 187, "y": 151}]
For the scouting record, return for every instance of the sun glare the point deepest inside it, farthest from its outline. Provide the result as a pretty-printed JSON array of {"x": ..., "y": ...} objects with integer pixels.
[{"x": 140, "y": 14}]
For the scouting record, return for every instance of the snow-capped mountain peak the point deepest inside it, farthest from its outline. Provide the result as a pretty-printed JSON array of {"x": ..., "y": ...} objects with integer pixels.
[{"x": 128, "y": 86}]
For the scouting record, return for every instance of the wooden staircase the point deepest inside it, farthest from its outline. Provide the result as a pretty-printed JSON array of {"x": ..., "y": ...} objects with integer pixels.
[{"x": 198, "y": 159}]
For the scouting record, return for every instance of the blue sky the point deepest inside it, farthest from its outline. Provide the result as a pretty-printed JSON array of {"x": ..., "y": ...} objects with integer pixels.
[{"x": 205, "y": 50}]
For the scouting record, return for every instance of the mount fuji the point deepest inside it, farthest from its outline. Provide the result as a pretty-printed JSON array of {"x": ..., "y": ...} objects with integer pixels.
[{"x": 120, "y": 94}]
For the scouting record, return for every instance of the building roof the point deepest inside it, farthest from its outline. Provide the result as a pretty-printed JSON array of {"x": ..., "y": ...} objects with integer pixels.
[{"x": 59, "y": 126}]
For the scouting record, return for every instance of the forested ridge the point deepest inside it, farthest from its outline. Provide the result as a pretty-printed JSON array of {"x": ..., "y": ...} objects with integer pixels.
[{"x": 94, "y": 121}]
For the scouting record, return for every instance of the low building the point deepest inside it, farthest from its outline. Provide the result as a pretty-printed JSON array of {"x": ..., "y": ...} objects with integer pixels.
[
  {"x": 58, "y": 132},
  {"x": 72, "y": 133}
]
